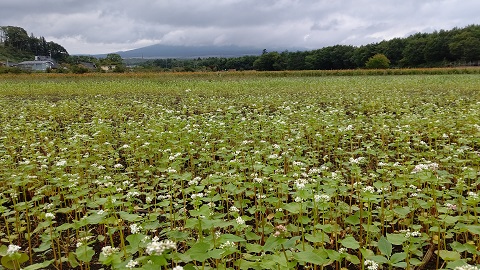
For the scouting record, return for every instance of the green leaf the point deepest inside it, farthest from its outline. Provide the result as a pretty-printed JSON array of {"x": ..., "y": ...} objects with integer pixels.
[
  {"x": 199, "y": 251},
  {"x": 385, "y": 247},
  {"x": 318, "y": 238},
  {"x": 9, "y": 263},
  {"x": 455, "y": 264},
  {"x": 84, "y": 253},
  {"x": 448, "y": 255},
  {"x": 3, "y": 250},
  {"x": 402, "y": 211},
  {"x": 396, "y": 239},
  {"x": 475, "y": 229},
  {"x": 352, "y": 258},
  {"x": 253, "y": 248},
  {"x": 231, "y": 238},
  {"x": 273, "y": 243},
  {"x": 379, "y": 259},
  {"x": 293, "y": 207},
  {"x": 72, "y": 260},
  {"x": 38, "y": 265},
  {"x": 310, "y": 257},
  {"x": 252, "y": 236},
  {"x": 95, "y": 219},
  {"x": 402, "y": 265},
  {"x": 129, "y": 217},
  {"x": 134, "y": 240},
  {"x": 216, "y": 253},
  {"x": 398, "y": 257},
  {"x": 350, "y": 242},
  {"x": 14, "y": 261},
  {"x": 353, "y": 219}
]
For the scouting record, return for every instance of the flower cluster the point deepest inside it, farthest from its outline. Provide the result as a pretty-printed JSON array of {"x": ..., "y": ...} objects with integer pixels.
[
  {"x": 135, "y": 228},
  {"x": 467, "y": 267},
  {"x": 321, "y": 198},
  {"x": 425, "y": 166},
  {"x": 109, "y": 250},
  {"x": 240, "y": 221},
  {"x": 227, "y": 244},
  {"x": 131, "y": 264},
  {"x": 371, "y": 265},
  {"x": 157, "y": 247},
  {"x": 12, "y": 249},
  {"x": 279, "y": 230}
]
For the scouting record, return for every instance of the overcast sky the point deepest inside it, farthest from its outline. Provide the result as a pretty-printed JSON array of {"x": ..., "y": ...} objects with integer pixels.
[{"x": 104, "y": 26}]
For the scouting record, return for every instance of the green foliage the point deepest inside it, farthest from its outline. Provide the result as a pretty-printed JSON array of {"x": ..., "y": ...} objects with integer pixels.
[
  {"x": 378, "y": 61},
  {"x": 24, "y": 47},
  {"x": 253, "y": 170}
]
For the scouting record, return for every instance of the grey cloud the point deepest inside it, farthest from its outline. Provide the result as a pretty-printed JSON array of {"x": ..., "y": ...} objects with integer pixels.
[{"x": 92, "y": 26}]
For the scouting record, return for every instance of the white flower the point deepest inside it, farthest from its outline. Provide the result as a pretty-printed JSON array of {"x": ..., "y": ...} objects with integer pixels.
[
  {"x": 371, "y": 265},
  {"x": 131, "y": 194},
  {"x": 369, "y": 189},
  {"x": 198, "y": 195},
  {"x": 83, "y": 240},
  {"x": 300, "y": 183},
  {"x": 108, "y": 250},
  {"x": 356, "y": 160},
  {"x": 134, "y": 228},
  {"x": 473, "y": 195},
  {"x": 12, "y": 249},
  {"x": 132, "y": 264},
  {"x": 467, "y": 267},
  {"x": 158, "y": 247},
  {"x": 118, "y": 166},
  {"x": 409, "y": 234},
  {"x": 451, "y": 206},
  {"x": 178, "y": 267},
  {"x": 61, "y": 163},
  {"x": 233, "y": 208},
  {"x": 321, "y": 198},
  {"x": 240, "y": 220},
  {"x": 425, "y": 166},
  {"x": 258, "y": 180},
  {"x": 227, "y": 244},
  {"x": 49, "y": 216}
]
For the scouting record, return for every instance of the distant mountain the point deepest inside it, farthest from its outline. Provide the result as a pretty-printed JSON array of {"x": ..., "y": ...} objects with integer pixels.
[{"x": 170, "y": 51}]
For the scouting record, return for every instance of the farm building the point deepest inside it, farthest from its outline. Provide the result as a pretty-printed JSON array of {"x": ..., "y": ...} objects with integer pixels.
[{"x": 41, "y": 63}]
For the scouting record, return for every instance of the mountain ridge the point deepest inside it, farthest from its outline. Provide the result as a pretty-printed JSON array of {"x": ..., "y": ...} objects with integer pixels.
[{"x": 159, "y": 51}]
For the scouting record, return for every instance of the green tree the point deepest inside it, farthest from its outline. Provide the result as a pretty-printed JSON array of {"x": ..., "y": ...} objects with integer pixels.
[
  {"x": 268, "y": 61},
  {"x": 466, "y": 46},
  {"x": 16, "y": 37},
  {"x": 361, "y": 54},
  {"x": 112, "y": 59},
  {"x": 413, "y": 54},
  {"x": 378, "y": 61}
]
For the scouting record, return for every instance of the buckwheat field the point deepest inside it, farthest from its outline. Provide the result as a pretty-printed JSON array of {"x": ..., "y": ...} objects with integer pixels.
[{"x": 239, "y": 171}]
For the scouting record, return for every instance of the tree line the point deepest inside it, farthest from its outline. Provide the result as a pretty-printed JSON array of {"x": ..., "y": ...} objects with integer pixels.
[
  {"x": 458, "y": 46},
  {"x": 16, "y": 39}
]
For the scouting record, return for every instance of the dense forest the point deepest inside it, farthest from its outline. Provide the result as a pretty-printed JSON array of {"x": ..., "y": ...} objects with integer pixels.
[
  {"x": 455, "y": 47},
  {"x": 17, "y": 45}
]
